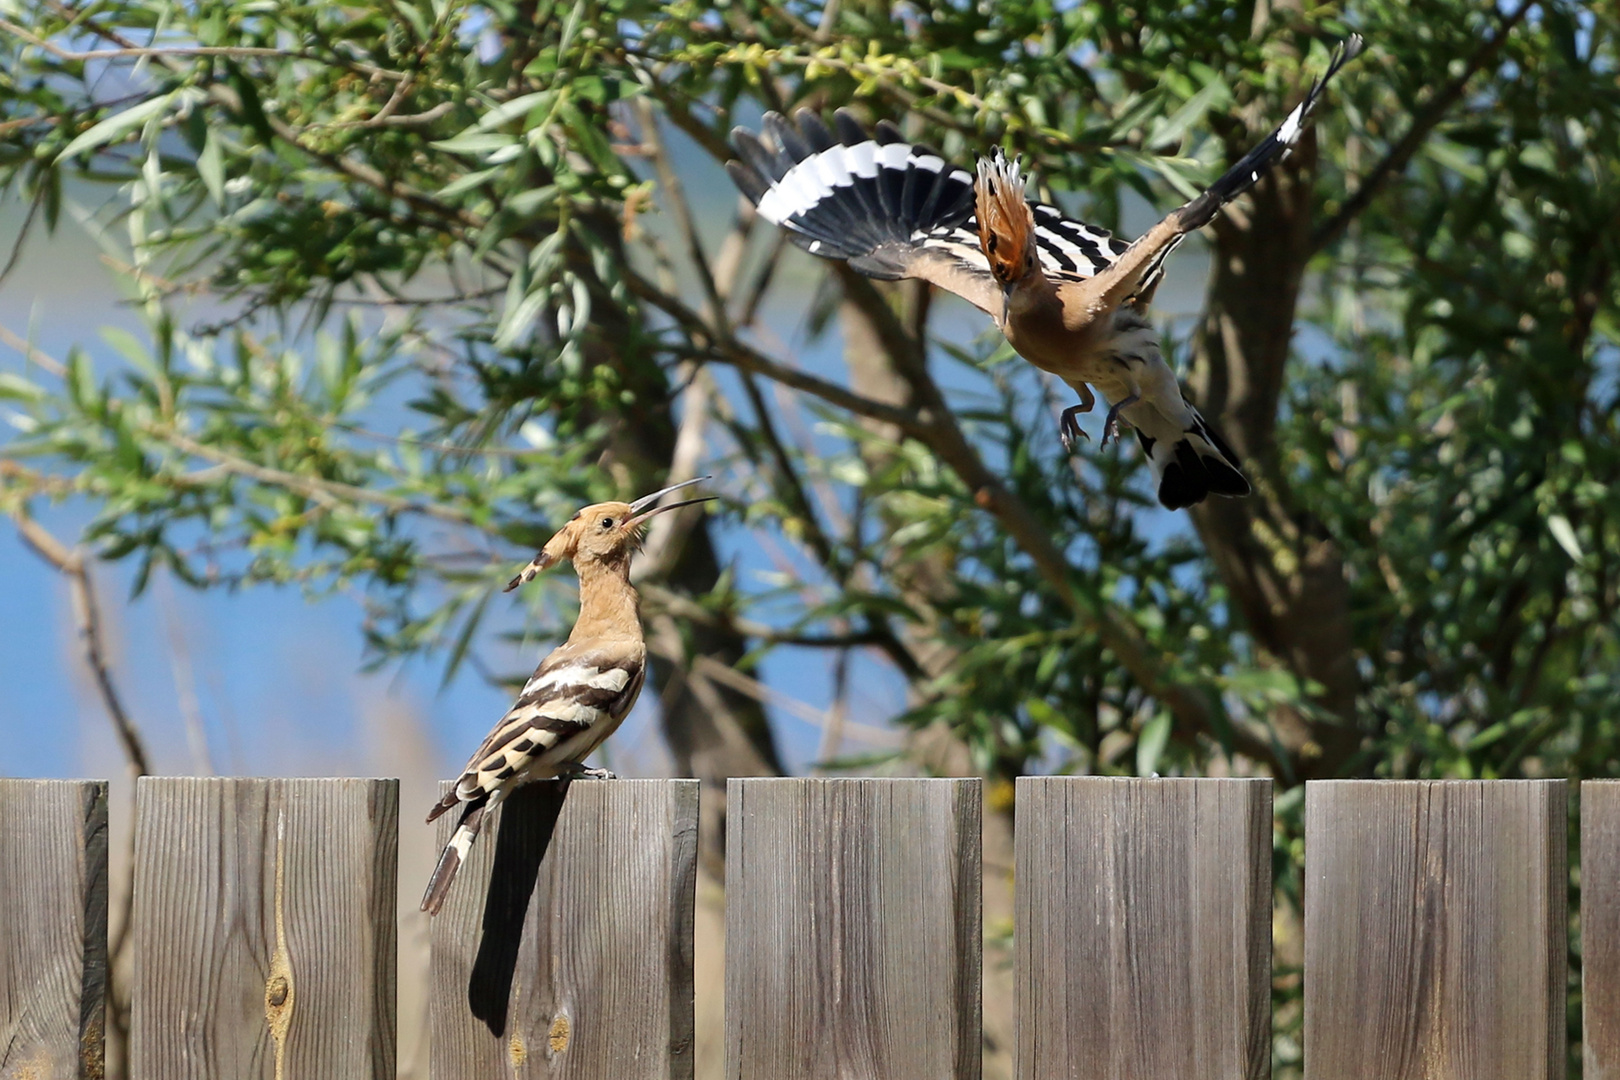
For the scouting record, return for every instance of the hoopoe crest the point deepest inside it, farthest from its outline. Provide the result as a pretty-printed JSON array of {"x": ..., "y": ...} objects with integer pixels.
[{"x": 1006, "y": 223}]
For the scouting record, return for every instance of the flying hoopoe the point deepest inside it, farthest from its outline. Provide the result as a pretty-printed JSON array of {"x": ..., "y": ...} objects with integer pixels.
[
  {"x": 580, "y": 692},
  {"x": 1069, "y": 297}
]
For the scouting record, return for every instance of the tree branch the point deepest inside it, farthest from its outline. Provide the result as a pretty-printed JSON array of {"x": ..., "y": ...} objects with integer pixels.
[
  {"x": 740, "y": 355},
  {"x": 325, "y": 492},
  {"x": 87, "y": 616},
  {"x": 1396, "y": 160}
]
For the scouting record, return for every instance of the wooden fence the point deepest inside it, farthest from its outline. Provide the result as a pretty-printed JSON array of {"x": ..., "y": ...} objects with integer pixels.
[{"x": 263, "y": 931}]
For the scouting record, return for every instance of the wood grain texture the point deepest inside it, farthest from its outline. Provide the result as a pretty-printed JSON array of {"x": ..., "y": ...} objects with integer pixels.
[
  {"x": 1143, "y": 928},
  {"x": 264, "y": 929},
  {"x": 1435, "y": 929},
  {"x": 1600, "y": 928},
  {"x": 853, "y": 940},
  {"x": 53, "y": 928},
  {"x": 565, "y": 947}
]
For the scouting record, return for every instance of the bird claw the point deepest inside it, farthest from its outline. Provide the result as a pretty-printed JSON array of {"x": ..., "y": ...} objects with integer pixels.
[
  {"x": 581, "y": 772},
  {"x": 1111, "y": 424},
  {"x": 1070, "y": 431}
]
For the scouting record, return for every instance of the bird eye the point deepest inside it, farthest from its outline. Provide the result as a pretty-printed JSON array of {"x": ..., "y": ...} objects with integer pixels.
[{"x": 607, "y": 523}]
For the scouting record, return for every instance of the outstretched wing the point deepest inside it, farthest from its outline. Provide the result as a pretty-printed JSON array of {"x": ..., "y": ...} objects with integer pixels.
[
  {"x": 890, "y": 208},
  {"x": 1136, "y": 269}
]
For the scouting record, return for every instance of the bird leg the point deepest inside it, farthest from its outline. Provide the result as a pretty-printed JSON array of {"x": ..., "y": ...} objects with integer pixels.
[
  {"x": 574, "y": 770},
  {"x": 1069, "y": 429},
  {"x": 1111, "y": 425}
]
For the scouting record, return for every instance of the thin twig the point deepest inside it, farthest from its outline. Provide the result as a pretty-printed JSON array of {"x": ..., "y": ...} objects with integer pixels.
[
  {"x": 832, "y": 736},
  {"x": 185, "y": 679},
  {"x": 684, "y": 607},
  {"x": 675, "y": 193},
  {"x": 88, "y": 618},
  {"x": 32, "y": 352},
  {"x": 711, "y": 668},
  {"x": 741, "y": 355},
  {"x": 667, "y": 537},
  {"x": 129, "y": 50},
  {"x": 325, "y": 492},
  {"x": 22, "y": 233}
]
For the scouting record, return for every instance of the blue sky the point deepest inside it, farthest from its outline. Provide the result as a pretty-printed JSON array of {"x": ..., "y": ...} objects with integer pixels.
[
  {"x": 260, "y": 680},
  {"x": 263, "y": 681}
]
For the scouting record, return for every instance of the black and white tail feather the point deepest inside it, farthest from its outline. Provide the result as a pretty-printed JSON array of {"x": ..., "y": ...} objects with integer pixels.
[
  {"x": 1188, "y": 462},
  {"x": 574, "y": 700}
]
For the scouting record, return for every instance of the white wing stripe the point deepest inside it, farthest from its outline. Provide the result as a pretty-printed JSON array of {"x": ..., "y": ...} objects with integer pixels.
[
  {"x": 894, "y": 156},
  {"x": 818, "y": 176},
  {"x": 588, "y": 675},
  {"x": 569, "y": 712},
  {"x": 1290, "y": 129},
  {"x": 862, "y": 159}
]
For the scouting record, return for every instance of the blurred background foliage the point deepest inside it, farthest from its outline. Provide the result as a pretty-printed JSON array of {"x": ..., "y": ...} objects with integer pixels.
[{"x": 472, "y": 264}]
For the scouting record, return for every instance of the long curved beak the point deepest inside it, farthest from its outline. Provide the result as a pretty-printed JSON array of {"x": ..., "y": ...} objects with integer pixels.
[
  {"x": 631, "y": 523},
  {"x": 647, "y": 500}
]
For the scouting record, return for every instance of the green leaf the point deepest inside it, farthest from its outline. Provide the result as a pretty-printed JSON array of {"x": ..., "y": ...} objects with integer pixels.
[
  {"x": 118, "y": 125},
  {"x": 518, "y": 106},
  {"x": 1564, "y": 533},
  {"x": 458, "y": 651},
  {"x": 1172, "y": 128},
  {"x": 475, "y": 141},
  {"x": 1151, "y": 743},
  {"x": 211, "y": 167}
]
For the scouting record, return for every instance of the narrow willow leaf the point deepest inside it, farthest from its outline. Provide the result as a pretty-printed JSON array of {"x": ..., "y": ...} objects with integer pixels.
[
  {"x": 1564, "y": 533},
  {"x": 118, "y": 125},
  {"x": 1150, "y": 745}
]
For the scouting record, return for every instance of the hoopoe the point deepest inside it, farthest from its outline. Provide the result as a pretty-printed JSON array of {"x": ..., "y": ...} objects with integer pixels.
[
  {"x": 1069, "y": 297},
  {"x": 580, "y": 693}
]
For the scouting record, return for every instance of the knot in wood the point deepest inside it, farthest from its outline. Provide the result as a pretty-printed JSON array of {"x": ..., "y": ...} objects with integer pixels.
[
  {"x": 559, "y": 1034},
  {"x": 275, "y": 992}
]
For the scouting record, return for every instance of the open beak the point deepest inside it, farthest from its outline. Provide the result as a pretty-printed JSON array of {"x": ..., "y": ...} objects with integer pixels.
[
  {"x": 631, "y": 523},
  {"x": 647, "y": 500}
]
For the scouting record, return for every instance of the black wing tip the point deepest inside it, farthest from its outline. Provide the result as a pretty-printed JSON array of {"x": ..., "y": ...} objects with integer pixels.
[
  {"x": 1347, "y": 50},
  {"x": 741, "y": 136},
  {"x": 753, "y": 187}
]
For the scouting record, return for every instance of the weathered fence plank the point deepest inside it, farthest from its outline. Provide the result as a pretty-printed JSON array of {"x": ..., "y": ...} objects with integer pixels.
[
  {"x": 565, "y": 947},
  {"x": 853, "y": 937},
  {"x": 53, "y": 927},
  {"x": 1143, "y": 928},
  {"x": 1435, "y": 929},
  {"x": 264, "y": 928},
  {"x": 1600, "y": 928}
]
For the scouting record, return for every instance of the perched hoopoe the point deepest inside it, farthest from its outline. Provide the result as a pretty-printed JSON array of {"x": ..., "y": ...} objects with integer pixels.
[
  {"x": 1069, "y": 297},
  {"x": 580, "y": 692}
]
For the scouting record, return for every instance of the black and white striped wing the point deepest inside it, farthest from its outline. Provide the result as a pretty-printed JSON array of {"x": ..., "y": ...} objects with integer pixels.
[
  {"x": 890, "y": 208},
  {"x": 569, "y": 705}
]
